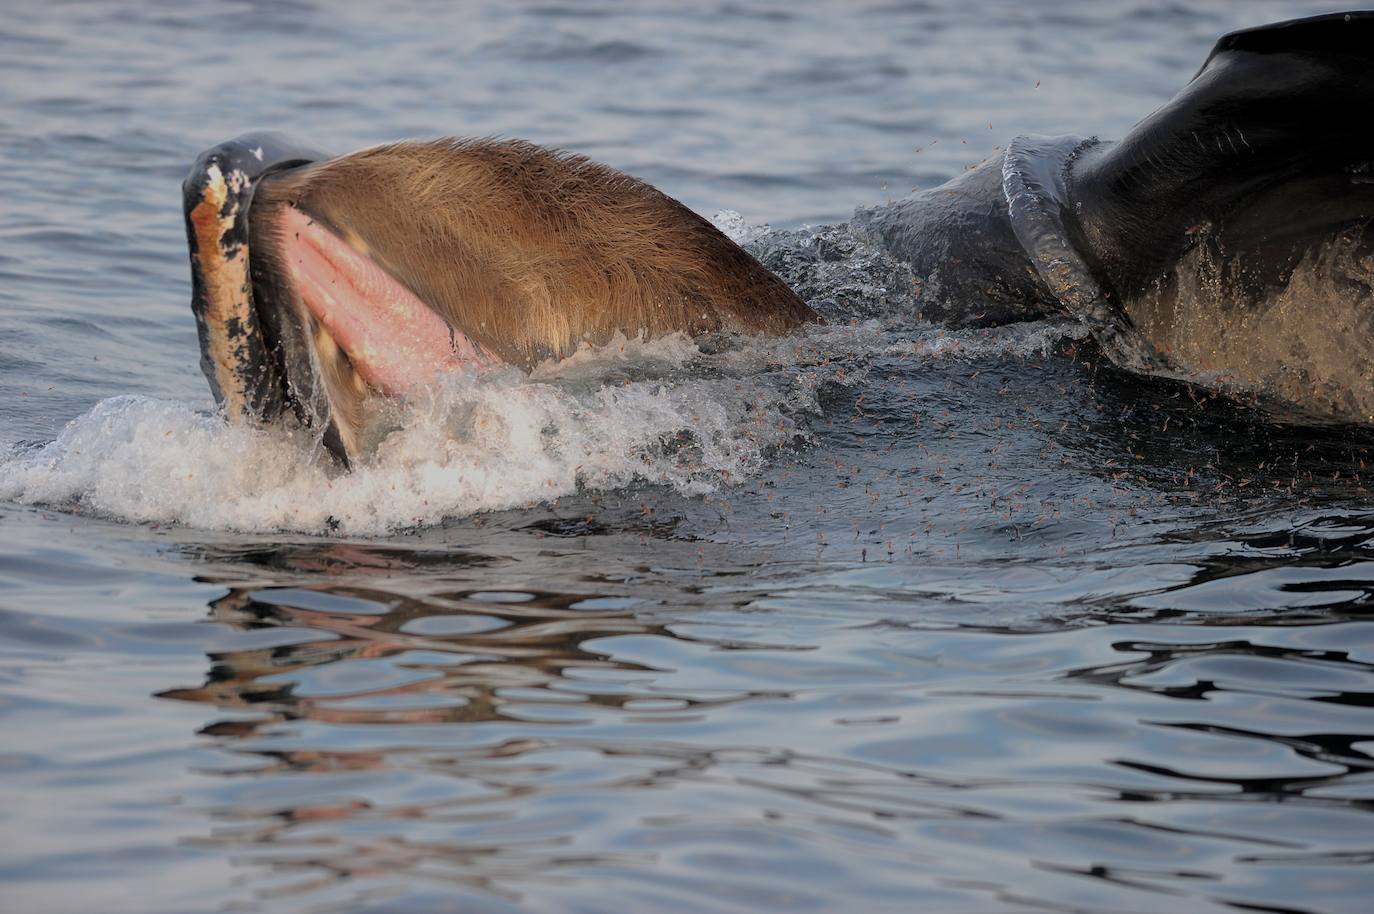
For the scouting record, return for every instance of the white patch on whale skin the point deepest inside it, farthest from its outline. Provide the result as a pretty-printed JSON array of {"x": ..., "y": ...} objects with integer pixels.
[
  {"x": 670, "y": 413},
  {"x": 733, "y": 226}
]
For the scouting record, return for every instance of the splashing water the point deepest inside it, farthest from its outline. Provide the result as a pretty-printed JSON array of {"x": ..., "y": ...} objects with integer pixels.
[
  {"x": 691, "y": 415},
  {"x": 737, "y": 228}
]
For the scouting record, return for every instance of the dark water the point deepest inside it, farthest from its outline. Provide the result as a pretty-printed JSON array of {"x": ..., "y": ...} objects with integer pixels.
[{"x": 878, "y": 618}]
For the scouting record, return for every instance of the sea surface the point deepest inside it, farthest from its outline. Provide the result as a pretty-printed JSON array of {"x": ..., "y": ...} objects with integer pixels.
[{"x": 878, "y": 617}]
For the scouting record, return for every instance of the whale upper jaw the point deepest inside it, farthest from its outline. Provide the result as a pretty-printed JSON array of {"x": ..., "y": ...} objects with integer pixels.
[{"x": 259, "y": 365}]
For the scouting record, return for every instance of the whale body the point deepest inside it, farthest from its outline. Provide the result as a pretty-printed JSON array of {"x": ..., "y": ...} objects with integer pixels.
[{"x": 1224, "y": 241}]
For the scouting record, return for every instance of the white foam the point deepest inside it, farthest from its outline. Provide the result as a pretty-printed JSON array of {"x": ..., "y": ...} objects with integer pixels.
[
  {"x": 475, "y": 444},
  {"x": 669, "y": 413},
  {"x": 872, "y": 339},
  {"x": 659, "y": 355}
]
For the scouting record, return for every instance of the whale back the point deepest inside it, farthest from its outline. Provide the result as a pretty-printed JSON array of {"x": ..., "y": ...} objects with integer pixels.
[
  {"x": 1226, "y": 239},
  {"x": 1269, "y": 145}
]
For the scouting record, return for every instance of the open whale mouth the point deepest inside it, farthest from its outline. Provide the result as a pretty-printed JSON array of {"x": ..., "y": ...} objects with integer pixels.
[
  {"x": 322, "y": 285},
  {"x": 295, "y": 318}
]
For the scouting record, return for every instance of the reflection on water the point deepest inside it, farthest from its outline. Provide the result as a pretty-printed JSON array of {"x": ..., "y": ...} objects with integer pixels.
[
  {"x": 376, "y": 658},
  {"x": 395, "y": 728}
]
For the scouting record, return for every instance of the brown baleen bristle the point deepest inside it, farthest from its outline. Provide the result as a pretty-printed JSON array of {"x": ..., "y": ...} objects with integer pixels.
[
  {"x": 297, "y": 333},
  {"x": 530, "y": 251}
]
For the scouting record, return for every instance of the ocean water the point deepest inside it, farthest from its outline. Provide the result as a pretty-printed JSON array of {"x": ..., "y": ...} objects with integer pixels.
[{"x": 877, "y": 617}]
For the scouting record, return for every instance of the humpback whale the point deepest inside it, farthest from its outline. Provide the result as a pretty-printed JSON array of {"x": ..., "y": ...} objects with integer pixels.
[{"x": 1222, "y": 241}]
